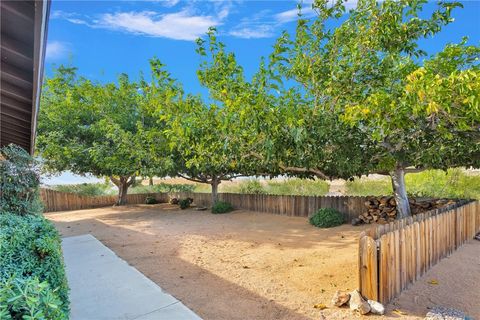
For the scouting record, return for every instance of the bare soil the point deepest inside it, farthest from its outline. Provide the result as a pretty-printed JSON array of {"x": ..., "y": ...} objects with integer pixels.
[
  {"x": 241, "y": 265},
  {"x": 452, "y": 283},
  {"x": 248, "y": 265}
]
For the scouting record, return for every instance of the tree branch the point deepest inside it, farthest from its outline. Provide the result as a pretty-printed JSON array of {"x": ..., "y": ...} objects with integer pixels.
[
  {"x": 115, "y": 181},
  {"x": 227, "y": 177},
  {"x": 316, "y": 172},
  {"x": 192, "y": 179},
  {"x": 131, "y": 181}
]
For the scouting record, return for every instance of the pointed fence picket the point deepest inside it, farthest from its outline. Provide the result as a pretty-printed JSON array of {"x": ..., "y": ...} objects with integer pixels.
[
  {"x": 393, "y": 256},
  {"x": 297, "y": 206}
]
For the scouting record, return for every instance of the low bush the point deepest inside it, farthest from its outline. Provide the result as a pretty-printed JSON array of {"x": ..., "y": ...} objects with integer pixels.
[
  {"x": 28, "y": 298},
  {"x": 86, "y": 189},
  {"x": 33, "y": 284},
  {"x": 297, "y": 186},
  {"x": 289, "y": 186},
  {"x": 453, "y": 183},
  {"x": 222, "y": 207},
  {"x": 162, "y": 188},
  {"x": 31, "y": 257},
  {"x": 252, "y": 187},
  {"x": 150, "y": 200},
  {"x": 327, "y": 218},
  {"x": 184, "y": 203},
  {"x": 19, "y": 180}
]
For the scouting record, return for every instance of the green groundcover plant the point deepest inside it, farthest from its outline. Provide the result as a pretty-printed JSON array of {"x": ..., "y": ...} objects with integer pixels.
[
  {"x": 327, "y": 218},
  {"x": 33, "y": 284},
  {"x": 222, "y": 207}
]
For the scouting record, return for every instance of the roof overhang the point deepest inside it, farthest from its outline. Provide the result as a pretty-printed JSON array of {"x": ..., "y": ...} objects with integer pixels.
[{"x": 23, "y": 34}]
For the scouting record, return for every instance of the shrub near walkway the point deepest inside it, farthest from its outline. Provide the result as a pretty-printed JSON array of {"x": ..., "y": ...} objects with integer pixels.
[{"x": 32, "y": 277}]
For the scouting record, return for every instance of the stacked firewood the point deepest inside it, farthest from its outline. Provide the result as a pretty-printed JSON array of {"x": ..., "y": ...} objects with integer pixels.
[{"x": 384, "y": 209}]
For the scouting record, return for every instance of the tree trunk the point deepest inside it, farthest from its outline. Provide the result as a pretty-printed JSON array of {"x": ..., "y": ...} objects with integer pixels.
[
  {"x": 122, "y": 194},
  {"x": 215, "y": 182},
  {"x": 150, "y": 182},
  {"x": 400, "y": 192},
  {"x": 122, "y": 184}
]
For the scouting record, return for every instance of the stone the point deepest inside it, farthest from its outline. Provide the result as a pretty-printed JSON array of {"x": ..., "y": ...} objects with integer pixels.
[
  {"x": 340, "y": 298},
  {"x": 376, "y": 307},
  {"x": 356, "y": 222},
  {"x": 442, "y": 313},
  {"x": 358, "y": 304}
]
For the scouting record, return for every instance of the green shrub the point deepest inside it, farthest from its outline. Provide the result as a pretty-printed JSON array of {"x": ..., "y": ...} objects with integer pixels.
[
  {"x": 19, "y": 180},
  {"x": 454, "y": 183},
  {"x": 162, "y": 188},
  {"x": 150, "y": 200},
  {"x": 31, "y": 249},
  {"x": 252, "y": 187},
  {"x": 32, "y": 274},
  {"x": 290, "y": 186},
  {"x": 327, "y": 218},
  {"x": 296, "y": 186},
  {"x": 222, "y": 207},
  {"x": 28, "y": 298},
  {"x": 86, "y": 189},
  {"x": 369, "y": 187},
  {"x": 184, "y": 203}
]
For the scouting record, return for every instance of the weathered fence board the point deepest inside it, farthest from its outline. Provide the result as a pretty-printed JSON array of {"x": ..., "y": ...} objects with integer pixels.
[
  {"x": 299, "y": 206},
  {"x": 406, "y": 249},
  {"x": 64, "y": 201}
]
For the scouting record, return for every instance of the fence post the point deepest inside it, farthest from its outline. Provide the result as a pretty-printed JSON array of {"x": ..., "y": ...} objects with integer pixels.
[{"x": 368, "y": 268}]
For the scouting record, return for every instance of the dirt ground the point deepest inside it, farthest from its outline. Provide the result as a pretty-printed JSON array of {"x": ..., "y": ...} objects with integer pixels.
[
  {"x": 241, "y": 265},
  {"x": 457, "y": 279}
]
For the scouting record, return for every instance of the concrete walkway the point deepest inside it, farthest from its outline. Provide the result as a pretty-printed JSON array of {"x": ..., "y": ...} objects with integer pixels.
[{"x": 103, "y": 286}]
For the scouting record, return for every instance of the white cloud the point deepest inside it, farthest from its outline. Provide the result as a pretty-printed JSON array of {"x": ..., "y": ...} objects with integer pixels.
[
  {"x": 258, "y": 25},
  {"x": 179, "y": 26},
  {"x": 56, "y": 50},
  {"x": 307, "y": 11},
  {"x": 292, "y": 14},
  {"x": 169, "y": 3},
  {"x": 68, "y": 16},
  {"x": 286, "y": 16},
  {"x": 189, "y": 23},
  {"x": 261, "y": 31}
]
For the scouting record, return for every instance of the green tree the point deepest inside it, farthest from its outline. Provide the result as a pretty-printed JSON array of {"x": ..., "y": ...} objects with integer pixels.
[
  {"x": 404, "y": 111},
  {"x": 208, "y": 139},
  {"x": 87, "y": 127}
]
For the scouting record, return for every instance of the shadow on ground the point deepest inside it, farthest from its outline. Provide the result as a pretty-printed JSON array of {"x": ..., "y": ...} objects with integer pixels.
[{"x": 151, "y": 239}]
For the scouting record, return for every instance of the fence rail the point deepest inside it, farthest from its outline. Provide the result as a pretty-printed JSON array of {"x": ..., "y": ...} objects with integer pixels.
[
  {"x": 64, "y": 201},
  {"x": 393, "y": 256},
  {"x": 299, "y": 206}
]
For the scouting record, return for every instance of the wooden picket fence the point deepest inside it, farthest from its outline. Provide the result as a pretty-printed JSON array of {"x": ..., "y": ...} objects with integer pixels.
[
  {"x": 65, "y": 201},
  {"x": 393, "y": 256},
  {"x": 288, "y": 205},
  {"x": 298, "y": 206}
]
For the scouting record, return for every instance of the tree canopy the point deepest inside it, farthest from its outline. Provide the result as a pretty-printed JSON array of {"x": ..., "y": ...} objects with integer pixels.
[
  {"x": 405, "y": 109},
  {"x": 346, "y": 95},
  {"x": 87, "y": 127}
]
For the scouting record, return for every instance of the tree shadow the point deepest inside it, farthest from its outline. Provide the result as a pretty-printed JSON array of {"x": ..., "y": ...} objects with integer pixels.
[{"x": 154, "y": 250}]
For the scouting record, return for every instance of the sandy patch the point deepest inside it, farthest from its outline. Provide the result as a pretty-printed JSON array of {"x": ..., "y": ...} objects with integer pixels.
[{"x": 242, "y": 265}]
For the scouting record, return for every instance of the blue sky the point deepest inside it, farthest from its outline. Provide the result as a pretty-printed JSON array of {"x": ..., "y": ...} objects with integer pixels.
[{"x": 106, "y": 38}]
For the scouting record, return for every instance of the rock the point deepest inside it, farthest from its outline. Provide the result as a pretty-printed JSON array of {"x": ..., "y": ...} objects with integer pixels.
[
  {"x": 376, "y": 307},
  {"x": 358, "y": 304},
  {"x": 356, "y": 222},
  {"x": 340, "y": 298},
  {"x": 442, "y": 313}
]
